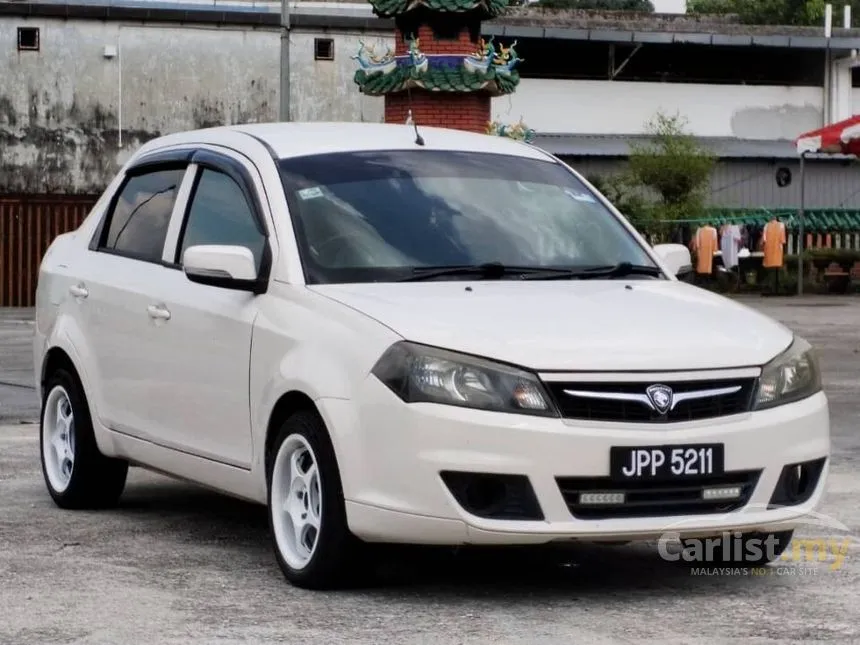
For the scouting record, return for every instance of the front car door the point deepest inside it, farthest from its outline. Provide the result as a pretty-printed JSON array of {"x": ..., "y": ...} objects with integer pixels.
[{"x": 204, "y": 348}]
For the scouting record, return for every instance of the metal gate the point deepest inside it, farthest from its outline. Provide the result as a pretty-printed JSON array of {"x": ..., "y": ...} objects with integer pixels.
[{"x": 28, "y": 224}]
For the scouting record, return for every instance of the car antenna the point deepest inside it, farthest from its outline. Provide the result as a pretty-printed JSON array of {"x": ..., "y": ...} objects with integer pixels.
[{"x": 419, "y": 140}]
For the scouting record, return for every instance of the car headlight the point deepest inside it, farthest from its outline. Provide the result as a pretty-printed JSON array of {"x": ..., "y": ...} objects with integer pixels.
[
  {"x": 791, "y": 376},
  {"x": 418, "y": 373}
]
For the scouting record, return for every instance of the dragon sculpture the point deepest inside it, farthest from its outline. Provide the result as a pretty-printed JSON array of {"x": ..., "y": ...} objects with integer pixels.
[
  {"x": 519, "y": 131},
  {"x": 502, "y": 61},
  {"x": 480, "y": 61},
  {"x": 417, "y": 59},
  {"x": 372, "y": 63}
]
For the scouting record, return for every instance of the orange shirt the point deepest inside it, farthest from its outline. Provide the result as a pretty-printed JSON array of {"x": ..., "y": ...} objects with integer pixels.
[
  {"x": 773, "y": 239},
  {"x": 705, "y": 243}
]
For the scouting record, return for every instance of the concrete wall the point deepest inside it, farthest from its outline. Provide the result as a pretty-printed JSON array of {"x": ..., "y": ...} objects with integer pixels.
[
  {"x": 613, "y": 107},
  {"x": 62, "y": 108}
]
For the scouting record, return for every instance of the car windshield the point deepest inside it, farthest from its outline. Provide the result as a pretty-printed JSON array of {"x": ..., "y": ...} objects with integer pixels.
[{"x": 375, "y": 216}]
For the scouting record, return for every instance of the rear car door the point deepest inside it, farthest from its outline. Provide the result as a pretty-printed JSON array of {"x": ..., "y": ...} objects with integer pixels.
[{"x": 116, "y": 289}]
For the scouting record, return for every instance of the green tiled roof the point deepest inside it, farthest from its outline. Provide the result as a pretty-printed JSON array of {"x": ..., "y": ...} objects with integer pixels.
[
  {"x": 487, "y": 8},
  {"x": 437, "y": 79},
  {"x": 817, "y": 220}
]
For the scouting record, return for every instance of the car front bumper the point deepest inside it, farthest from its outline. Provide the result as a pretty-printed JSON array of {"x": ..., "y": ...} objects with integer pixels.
[{"x": 391, "y": 455}]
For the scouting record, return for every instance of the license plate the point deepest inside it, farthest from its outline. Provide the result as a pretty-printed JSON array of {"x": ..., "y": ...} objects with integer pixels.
[{"x": 666, "y": 462}]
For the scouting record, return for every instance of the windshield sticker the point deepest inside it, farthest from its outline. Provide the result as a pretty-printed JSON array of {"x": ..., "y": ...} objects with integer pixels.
[
  {"x": 580, "y": 197},
  {"x": 311, "y": 193}
]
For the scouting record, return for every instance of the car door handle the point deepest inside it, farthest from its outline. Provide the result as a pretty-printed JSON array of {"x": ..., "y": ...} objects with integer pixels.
[
  {"x": 78, "y": 291},
  {"x": 159, "y": 312}
]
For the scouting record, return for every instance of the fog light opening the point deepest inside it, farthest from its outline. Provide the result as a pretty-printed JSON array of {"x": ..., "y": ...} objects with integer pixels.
[
  {"x": 797, "y": 481},
  {"x": 486, "y": 495}
]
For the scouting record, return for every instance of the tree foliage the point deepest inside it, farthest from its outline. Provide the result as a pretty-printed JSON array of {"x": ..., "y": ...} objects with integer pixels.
[
  {"x": 643, "y": 6},
  {"x": 627, "y": 196},
  {"x": 674, "y": 166},
  {"x": 767, "y": 12}
]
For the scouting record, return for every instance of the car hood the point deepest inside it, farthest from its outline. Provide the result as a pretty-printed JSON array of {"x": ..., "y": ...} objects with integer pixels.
[{"x": 573, "y": 325}]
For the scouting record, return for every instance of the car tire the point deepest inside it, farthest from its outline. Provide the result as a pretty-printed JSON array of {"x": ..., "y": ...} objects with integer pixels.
[
  {"x": 77, "y": 474},
  {"x": 757, "y": 548},
  {"x": 307, "y": 512}
]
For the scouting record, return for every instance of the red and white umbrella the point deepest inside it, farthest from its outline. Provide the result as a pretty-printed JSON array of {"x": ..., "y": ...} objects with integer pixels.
[
  {"x": 837, "y": 138},
  {"x": 841, "y": 138}
]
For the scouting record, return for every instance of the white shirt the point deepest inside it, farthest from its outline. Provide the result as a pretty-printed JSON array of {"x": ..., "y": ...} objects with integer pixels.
[{"x": 729, "y": 245}]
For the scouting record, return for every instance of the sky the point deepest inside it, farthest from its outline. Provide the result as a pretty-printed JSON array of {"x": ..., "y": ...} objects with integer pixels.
[{"x": 669, "y": 6}]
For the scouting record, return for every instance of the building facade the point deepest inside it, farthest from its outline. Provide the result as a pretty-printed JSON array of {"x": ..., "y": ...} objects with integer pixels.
[
  {"x": 84, "y": 85},
  {"x": 74, "y": 106}
]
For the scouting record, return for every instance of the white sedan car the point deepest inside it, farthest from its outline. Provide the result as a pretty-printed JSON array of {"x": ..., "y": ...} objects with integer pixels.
[{"x": 449, "y": 341}]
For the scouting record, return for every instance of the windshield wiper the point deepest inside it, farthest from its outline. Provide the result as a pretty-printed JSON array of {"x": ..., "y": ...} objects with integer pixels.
[
  {"x": 487, "y": 271},
  {"x": 609, "y": 271}
]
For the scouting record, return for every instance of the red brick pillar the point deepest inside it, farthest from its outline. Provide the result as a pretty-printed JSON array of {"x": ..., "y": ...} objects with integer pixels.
[
  {"x": 458, "y": 110},
  {"x": 461, "y": 110}
]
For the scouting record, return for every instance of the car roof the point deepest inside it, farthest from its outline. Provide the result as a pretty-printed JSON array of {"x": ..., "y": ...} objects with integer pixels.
[{"x": 295, "y": 139}]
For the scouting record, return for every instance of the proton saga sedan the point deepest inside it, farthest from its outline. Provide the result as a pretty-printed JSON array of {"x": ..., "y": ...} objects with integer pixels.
[{"x": 451, "y": 340}]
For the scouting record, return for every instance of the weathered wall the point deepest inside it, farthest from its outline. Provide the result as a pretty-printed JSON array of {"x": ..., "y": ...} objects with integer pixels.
[{"x": 62, "y": 108}]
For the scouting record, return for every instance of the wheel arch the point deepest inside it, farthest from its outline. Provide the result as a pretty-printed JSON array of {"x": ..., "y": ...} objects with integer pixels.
[
  {"x": 61, "y": 353},
  {"x": 286, "y": 406},
  {"x": 55, "y": 358}
]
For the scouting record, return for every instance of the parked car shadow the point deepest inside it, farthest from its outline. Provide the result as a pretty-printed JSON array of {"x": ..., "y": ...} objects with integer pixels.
[{"x": 185, "y": 513}]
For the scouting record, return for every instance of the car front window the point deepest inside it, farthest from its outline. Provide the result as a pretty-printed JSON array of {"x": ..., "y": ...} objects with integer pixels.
[{"x": 380, "y": 215}]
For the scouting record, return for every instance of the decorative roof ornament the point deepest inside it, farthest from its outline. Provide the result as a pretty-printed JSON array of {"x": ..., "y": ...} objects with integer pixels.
[
  {"x": 446, "y": 68},
  {"x": 488, "y": 69},
  {"x": 506, "y": 60},
  {"x": 371, "y": 63},
  {"x": 485, "y": 8},
  {"x": 417, "y": 59},
  {"x": 480, "y": 61},
  {"x": 519, "y": 131}
]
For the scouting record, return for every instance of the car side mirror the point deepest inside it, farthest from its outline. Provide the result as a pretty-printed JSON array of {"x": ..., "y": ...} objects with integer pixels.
[
  {"x": 225, "y": 266},
  {"x": 676, "y": 257}
]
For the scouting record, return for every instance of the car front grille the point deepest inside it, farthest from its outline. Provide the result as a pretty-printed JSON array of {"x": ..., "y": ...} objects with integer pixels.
[
  {"x": 629, "y": 401},
  {"x": 656, "y": 499}
]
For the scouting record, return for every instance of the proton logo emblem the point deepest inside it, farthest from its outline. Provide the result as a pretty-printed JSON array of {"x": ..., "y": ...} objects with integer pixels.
[{"x": 660, "y": 397}]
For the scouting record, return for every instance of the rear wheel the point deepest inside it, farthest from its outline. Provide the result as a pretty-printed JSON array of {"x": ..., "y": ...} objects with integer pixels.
[
  {"x": 76, "y": 473},
  {"x": 307, "y": 514}
]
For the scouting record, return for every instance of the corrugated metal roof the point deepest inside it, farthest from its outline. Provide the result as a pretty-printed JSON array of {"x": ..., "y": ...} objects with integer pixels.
[
  {"x": 499, "y": 28},
  {"x": 592, "y": 145},
  {"x": 311, "y": 7},
  {"x": 519, "y": 22},
  {"x": 194, "y": 13}
]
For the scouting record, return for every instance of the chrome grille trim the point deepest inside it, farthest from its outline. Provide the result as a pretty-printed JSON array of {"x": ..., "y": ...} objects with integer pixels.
[
  {"x": 646, "y": 401},
  {"x": 739, "y": 373},
  {"x": 677, "y": 397}
]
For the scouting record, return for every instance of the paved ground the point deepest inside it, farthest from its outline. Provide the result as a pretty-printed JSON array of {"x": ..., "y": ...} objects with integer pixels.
[
  {"x": 177, "y": 564},
  {"x": 17, "y": 399}
]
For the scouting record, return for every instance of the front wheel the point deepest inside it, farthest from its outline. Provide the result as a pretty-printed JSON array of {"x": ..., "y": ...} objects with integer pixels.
[{"x": 307, "y": 514}]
